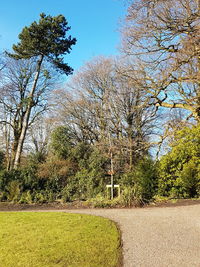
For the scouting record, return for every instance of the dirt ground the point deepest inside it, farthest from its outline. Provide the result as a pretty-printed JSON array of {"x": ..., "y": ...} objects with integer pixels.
[{"x": 5, "y": 206}]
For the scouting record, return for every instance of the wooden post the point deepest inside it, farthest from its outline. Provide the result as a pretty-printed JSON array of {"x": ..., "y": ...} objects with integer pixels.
[{"x": 111, "y": 176}]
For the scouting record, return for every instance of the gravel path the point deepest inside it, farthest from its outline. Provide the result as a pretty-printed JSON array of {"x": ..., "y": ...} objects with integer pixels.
[{"x": 157, "y": 236}]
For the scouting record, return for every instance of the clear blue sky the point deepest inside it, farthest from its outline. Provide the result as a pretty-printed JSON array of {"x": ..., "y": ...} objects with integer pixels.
[{"x": 94, "y": 23}]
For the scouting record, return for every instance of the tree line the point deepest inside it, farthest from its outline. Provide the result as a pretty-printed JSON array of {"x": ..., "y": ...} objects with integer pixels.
[{"x": 135, "y": 116}]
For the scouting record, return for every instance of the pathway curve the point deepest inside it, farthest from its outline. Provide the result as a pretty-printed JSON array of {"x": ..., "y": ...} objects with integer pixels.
[{"x": 157, "y": 237}]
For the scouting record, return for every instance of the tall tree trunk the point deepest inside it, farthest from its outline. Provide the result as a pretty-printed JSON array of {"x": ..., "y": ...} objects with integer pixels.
[
  {"x": 7, "y": 142},
  {"x": 27, "y": 116},
  {"x": 129, "y": 120},
  {"x": 14, "y": 149}
]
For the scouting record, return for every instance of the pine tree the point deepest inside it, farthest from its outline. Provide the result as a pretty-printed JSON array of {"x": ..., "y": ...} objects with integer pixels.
[{"x": 46, "y": 41}]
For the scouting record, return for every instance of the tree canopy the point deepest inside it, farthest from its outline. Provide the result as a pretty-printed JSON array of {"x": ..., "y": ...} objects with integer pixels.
[
  {"x": 163, "y": 36},
  {"x": 46, "y": 38}
]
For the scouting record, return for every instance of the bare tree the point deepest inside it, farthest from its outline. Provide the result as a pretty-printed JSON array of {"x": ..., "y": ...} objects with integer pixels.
[
  {"x": 86, "y": 97},
  {"x": 101, "y": 102},
  {"x": 18, "y": 76},
  {"x": 39, "y": 135},
  {"x": 138, "y": 118},
  {"x": 163, "y": 36}
]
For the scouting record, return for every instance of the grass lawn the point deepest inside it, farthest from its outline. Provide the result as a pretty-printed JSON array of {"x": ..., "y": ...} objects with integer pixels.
[{"x": 45, "y": 239}]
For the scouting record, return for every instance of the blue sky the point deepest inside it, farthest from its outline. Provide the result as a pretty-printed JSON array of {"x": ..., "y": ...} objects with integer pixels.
[{"x": 94, "y": 23}]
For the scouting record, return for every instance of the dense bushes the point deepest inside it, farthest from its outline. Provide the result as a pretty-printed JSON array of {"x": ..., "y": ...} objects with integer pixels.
[
  {"x": 79, "y": 171},
  {"x": 78, "y": 176},
  {"x": 179, "y": 170},
  {"x": 140, "y": 184},
  {"x": 17, "y": 186}
]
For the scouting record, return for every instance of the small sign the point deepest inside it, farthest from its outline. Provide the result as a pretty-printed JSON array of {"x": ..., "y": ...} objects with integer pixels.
[
  {"x": 115, "y": 185},
  {"x": 109, "y": 187}
]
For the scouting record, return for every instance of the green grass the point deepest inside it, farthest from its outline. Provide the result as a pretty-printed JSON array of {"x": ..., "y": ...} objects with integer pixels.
[{"x": 40, "y": 239}]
